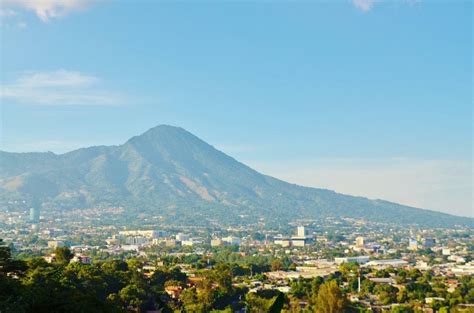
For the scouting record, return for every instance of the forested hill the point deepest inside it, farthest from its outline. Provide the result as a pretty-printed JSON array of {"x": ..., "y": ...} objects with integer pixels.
[{"x": 169, "y": 171}]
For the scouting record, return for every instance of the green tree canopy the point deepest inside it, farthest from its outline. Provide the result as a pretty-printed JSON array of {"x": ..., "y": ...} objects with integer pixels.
[{"x": 330, "y": 298}]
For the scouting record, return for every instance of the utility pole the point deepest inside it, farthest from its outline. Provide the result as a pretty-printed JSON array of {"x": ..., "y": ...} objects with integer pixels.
[{"x": 358, "y": 280}]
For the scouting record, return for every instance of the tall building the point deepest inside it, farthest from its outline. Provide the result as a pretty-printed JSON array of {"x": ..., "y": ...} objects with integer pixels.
[
  {"x": 301, "y": 231},
  {"x": 34, "y": 214},
  {"x": 359, "y": 242}
]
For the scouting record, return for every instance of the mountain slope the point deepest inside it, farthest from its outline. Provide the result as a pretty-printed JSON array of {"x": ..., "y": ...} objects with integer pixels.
[{"x": 169, "y": 171}]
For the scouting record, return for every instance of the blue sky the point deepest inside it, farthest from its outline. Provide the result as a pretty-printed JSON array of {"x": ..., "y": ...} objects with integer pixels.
[{"x": 371, "y": 98}]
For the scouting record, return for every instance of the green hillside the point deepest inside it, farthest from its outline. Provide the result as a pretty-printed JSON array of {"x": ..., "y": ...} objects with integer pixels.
[{"x": 167, "y": 170}]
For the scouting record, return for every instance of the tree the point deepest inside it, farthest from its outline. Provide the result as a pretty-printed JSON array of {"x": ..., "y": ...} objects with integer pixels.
[
  {"x": 301, "y": 288},
  {"x": 315, "y": 285},
  {"x": 330, "y": 298},
  {"x": 133, "y": 296},
  {"x": 402, "y": 309},
  {"x": 278, "y": 303},
  {"x": 402, "y": 296},
  {"x": 276, "y": 265},
  {"x": 222, "y": 275},
  {"x": 206, "y": 293},
  {"x": 63, "y": 255},
  {"x": 10, "y": 289},
  {"x": 257, "y": 304},
  {"x": 387, "y": 294},
  {"x": 7, "y": 264},
  {"x": 188, "y": 296},
  {"x": 444, "y": 309}
]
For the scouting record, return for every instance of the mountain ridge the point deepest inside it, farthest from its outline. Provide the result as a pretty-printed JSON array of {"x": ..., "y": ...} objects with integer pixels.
[{"x": 168, "y": 170}]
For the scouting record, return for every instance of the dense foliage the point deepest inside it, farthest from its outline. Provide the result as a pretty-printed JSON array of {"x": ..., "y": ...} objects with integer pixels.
[
  {"x": 121, "y": 286},
  {"x": 222, "y": 283}
]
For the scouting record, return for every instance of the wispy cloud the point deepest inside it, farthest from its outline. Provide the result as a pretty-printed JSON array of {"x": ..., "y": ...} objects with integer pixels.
[
  {"x": 59, "y": 87},
  {"x": 368, "y": 5},
  {"x": 8, "y": 12},
  {"x": 364, "y": 5},
  {"x": 10, "y": 18},
  {"x": 48, "y": 9}
]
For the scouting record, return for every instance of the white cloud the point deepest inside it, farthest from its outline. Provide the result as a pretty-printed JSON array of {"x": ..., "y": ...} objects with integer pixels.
[
  {"x": 8, "y": 12},
  {"x": 59, "y": 78},
  {"x": 48, "y": 9},
  {"x": 59, "y": 87},
  {"x": 11, "y": 19},
  {"x": 367, "y": 5},
  {"x": 364, "y": 5},
  {"x": 442, "y": 185}
]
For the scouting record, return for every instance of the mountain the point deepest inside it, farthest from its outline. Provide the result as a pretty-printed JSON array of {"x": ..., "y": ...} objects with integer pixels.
[{"x": 170, "y": 172}]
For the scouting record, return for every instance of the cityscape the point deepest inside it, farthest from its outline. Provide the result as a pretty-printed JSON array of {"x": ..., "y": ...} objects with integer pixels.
[
  {"x": 193, "y": 156},
  {"x": 378, "y": 267}
]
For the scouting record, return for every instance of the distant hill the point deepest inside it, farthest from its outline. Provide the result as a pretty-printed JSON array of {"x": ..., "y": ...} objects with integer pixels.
[{"x": 169, "y": 171}]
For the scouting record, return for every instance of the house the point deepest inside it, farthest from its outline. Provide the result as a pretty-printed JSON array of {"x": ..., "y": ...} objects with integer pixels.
[
  {"x": 174, "y": 291},
  {"x": 80, "y": 258}
]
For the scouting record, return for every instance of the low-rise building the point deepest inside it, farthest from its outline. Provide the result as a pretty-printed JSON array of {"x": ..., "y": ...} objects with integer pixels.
[
  {"x": 380, "y": 264},
  {"x": 53, "y": 244},
  {"x": 357, "y": 259}
]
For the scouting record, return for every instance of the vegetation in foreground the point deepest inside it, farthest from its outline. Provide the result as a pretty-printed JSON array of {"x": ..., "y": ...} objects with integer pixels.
[{"x": 35, "y": 285}]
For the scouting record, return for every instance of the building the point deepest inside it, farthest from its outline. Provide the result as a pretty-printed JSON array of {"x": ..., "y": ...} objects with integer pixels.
[
  {"x": 173, "y": 291},
  {"x": 182, "y": 237},
  {"x": 188, "y": 243},
  {"x": 50, "y": 258},
  {"x": 298, "y": 242},
  {"x": 171, "y": 243},
  {"x": 301, "y": 231},
  {"x": 231, "y": 240},
  {"x": 112, "y": 241},
  {"x": 381, "y": 264},
  {"x": 80, "y": 258},
  {"x": 216, "y": 242},
  {"x": 412, "y": 244},
  {"x": 34, "y": 214},
  {"x": 150, "y": 234},
  {"x": 359, "y": 242},
  {"x": 35, "y": 228},
  {"x": 284, "y": 242},
  {"x": 302, "y": 238},
  {"x": 429, "y": 243},
  {"x": 136, "y": 240},
  {"x": 53, "y": 244},
  {"x": 302, "y": 271},
  {"x": 138, "y": 237},
  {"x": 357, "y": 259}
]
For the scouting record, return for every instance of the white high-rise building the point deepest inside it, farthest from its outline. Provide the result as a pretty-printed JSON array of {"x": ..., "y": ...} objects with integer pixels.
[{"x": 301, "y": 231}]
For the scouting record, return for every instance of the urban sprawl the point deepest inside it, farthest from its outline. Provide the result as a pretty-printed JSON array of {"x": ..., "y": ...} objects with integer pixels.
[{"x": 327, "y": 265}]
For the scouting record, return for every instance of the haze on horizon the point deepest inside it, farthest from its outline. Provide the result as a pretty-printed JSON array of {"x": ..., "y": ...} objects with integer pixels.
[{"x": 361, "y": 97}]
